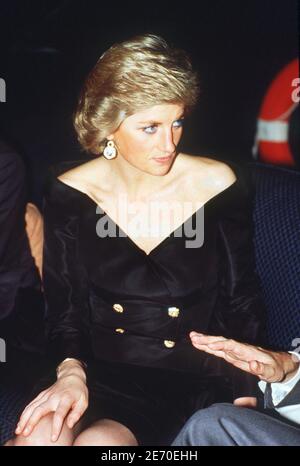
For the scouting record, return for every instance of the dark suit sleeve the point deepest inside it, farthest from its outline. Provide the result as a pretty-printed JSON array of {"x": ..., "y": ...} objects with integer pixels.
[
  {"x": 12, "y": 228},
  {"x": 64, "y": 279},
  {"x": 242, "y": 316}
]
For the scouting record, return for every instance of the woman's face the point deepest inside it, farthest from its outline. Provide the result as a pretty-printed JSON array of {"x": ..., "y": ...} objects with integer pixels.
[{"x": 146, "y": 136}]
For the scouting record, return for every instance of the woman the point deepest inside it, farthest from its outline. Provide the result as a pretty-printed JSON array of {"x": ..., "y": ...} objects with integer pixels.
[{"x": 124, "y": 281}]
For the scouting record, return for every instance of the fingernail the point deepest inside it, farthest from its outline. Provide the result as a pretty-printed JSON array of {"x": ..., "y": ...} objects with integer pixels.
[
  {"x": 53, "y": 438},
  {"x": 26, "y": 431},
  {"x": 18, "y": 430}
]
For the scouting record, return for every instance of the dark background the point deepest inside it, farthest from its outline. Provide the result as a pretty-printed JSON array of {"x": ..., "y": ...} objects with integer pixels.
[{"x": 47, "y": 48}]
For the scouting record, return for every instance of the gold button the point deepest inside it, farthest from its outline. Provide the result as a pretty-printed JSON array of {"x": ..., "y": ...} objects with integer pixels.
[
  {"x": 118, "y": 308},
  {"x": 173, "y": 311},
  {"x": 169, "y": 343},
  {"x": 119, "y": 330}
]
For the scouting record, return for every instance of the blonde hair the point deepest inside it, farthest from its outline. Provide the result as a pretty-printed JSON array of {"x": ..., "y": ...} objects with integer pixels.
[{"x": 129, "y": 77}]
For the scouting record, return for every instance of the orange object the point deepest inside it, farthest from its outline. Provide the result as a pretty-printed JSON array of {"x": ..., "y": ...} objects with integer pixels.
[{"x": 280, "y": 101}]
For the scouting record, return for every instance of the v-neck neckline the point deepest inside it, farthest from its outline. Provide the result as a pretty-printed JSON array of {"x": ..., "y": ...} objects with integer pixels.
[{"x": 128, "y": 238}]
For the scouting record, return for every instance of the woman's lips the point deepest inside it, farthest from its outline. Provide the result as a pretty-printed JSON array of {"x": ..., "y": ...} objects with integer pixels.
[{"x": 162, "y": 159}]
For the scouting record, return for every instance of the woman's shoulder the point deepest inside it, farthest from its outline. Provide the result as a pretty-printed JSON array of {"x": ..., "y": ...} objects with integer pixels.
[
  {"x": 69, "y": 179},
  {"x": 80, "y": 171},
  {"x": 222, "y": 172},
  {"x": 56, "y": 188},
  {"x": 226, "y": 179},
  {"x": 209, "y": 174}
]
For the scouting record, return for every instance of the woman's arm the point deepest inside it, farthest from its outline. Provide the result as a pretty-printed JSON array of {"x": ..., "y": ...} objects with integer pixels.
[
  {"x": 66, "y": 316},
  {"x": 67, "y": 398},
  {"x": 64, "y": 278}
]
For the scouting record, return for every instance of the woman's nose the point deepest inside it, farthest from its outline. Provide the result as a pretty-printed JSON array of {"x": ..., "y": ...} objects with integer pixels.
[{"x": 168, "y": 143}]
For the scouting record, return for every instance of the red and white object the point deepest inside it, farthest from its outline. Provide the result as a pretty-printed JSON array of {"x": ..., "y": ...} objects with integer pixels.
[{"x": 271, "y": 142}]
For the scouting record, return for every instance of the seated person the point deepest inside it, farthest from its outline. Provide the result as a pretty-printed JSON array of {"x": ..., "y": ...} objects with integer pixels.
[
  {"x": 225, "y": 424},
  {"x": 21, "y": 306},
  {"x": 21, "y": 299},
  {"x": 120, "y": 307}
]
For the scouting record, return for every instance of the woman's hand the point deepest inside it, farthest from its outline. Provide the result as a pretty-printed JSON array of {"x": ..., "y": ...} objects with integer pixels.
[
  {"x": 269, "y": 366},
  {"x": 68, "y": 396}
]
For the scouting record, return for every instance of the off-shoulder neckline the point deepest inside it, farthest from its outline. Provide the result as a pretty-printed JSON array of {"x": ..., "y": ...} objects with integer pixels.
[{"x": 171, "y": 234}]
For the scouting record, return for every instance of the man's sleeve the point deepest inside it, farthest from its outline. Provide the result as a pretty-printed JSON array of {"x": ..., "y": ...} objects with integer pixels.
[{"x": 12, "y": 228}]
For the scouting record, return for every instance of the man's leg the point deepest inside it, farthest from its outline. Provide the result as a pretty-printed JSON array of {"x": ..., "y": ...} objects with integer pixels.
[{"x": 225, "y": 424}]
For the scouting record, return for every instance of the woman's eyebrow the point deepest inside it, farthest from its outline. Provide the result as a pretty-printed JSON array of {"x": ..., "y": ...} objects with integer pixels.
[
  {"x": 149, "y": 122},
  {"x": 152, "y": 122}
]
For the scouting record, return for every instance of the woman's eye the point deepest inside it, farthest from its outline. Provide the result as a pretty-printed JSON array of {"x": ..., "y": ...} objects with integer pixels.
[
  {"x": 150, "y": 129},
  {"x": 178, "y": 123}
]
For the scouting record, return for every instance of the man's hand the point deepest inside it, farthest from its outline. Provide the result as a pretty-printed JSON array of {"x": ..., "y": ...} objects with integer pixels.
[
  {"x": 246, "y": 402},
  {"x": 269, "y": 366}
]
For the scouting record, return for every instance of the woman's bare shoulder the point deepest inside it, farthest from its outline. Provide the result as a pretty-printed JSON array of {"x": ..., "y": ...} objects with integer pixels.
[
  {"x": 86, "y": 176},
  {"x": 214, "y": 171}
]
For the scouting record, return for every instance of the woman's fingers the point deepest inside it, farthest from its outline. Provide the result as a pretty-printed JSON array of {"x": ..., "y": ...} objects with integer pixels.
[
  {"x": 27, "y": 412},
  {"x": 77, "y": 411},
  {"x": 72, "y": 419},
  {"x": 38, "y": 397},
  {"x": 59, "y": 417},
  {"x": 60, "y": 399},
  {"x": 36, "y": 415}
]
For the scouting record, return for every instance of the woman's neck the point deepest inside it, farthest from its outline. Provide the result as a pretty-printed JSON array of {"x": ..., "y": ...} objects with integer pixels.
[{"x": 135, "y": 182}]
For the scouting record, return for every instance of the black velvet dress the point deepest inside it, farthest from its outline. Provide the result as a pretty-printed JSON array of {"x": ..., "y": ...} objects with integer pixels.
[{"x": 128, "y": 313}]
